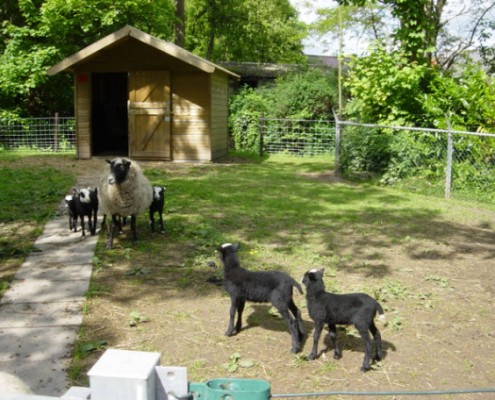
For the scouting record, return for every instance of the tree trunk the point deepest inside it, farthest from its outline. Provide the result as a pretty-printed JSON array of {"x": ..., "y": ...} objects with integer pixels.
[{"x": 180, "y": 22}]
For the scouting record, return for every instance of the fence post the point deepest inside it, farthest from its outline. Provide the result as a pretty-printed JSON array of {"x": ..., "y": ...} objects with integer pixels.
[
  {"x": 337, "y": 141},
  {"x": 55, "y": 133},
  {"x": 262, "y": 129},
  {"x": 448, "y": 168}
]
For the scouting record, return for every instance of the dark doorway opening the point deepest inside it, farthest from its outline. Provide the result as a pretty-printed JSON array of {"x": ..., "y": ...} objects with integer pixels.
[{"x": 109, "y": 123}]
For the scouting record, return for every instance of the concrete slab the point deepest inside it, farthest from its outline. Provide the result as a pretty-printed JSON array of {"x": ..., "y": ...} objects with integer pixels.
[
  {"x": 38, "y": 356},
  {"x": 71, "y": 253},
  {"x": 44, "y": 290},
  {"x": 48, "y": 315},
  {"x": 33, "y": 269}
]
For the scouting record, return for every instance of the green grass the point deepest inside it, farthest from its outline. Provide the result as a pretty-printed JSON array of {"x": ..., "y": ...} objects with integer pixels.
[{"x": 29, "y": 195}]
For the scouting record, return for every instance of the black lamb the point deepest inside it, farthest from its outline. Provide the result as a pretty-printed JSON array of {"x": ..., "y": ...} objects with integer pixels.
[
  {"x": 260, "y": 287},
  {"x": 156, "y": 207},
  {"x": 70, "y": 203},
  {"x": 86, "y": 204},
  {"x": 357, "y": 309}
]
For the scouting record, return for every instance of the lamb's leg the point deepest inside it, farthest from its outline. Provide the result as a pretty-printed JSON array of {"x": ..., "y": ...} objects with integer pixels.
[
  {"x": 363, "y": 331},
  {"x": 378, "y": 341},
  {"x": 152, "y": 221},
  {"x": 240, "y": 309},
  {"x": 294, "y": 333},
  {"x": 297, "y": 316},
  {"x": 337, "y": 355},
  {"x": 236, "y": 305},
  {"x": 133, "y": 228},
  {"x": 316, "y": 338},
  {"x": 82, "y": 225},
  {"x": 160, "y": 216}
]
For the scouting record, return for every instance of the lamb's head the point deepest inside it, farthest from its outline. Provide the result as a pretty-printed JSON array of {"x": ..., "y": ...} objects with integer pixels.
[
  {"x": 228, "y": 251},
  {"x": 313, "y": 276},
  {"x": 84, "y": 195},
  {"x": 158, "y": 192},
  {"x": 119, "y": 169}
]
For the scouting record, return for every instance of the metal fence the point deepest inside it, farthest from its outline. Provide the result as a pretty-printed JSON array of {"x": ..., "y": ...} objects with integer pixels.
[
  {"x": 53, "y": 134},
  {"x": 432, "y": 161},
  {"x": 297, "y": 136}
]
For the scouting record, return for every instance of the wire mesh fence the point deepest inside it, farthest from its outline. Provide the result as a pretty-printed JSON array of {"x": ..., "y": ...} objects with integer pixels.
[
  {"x": 53, "y": 134},
  {"x": 431, "y": 161},
  {"x": 297, "y": 136}
]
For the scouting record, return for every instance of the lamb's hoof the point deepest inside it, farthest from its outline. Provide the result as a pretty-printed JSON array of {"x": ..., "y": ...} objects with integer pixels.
[
  {"x": 312, "y": 357},
  {"x": 337, "y": 356},
  {"x": 365, "y": 369},
  {"x": 230, "y": 333}
]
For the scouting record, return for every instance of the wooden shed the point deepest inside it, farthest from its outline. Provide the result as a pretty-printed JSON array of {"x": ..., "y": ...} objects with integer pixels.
[{"x": 148, "y": 99}]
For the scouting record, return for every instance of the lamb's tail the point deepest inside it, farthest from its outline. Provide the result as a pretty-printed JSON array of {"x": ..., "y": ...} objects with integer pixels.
[
  {"x": 381, "y": 315},
  {"x": 297, "y": 285}
]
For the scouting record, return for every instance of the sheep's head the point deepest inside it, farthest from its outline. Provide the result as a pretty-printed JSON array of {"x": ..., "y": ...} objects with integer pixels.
[
  {"x": 119, "y": 169},
  {"x": 313, "y": 276}
]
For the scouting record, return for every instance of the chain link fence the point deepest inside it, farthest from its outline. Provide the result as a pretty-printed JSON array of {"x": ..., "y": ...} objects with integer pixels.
[{"x": 54, "y": 134}]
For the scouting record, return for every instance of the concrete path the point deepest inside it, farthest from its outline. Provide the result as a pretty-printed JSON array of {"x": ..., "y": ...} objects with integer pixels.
[{"x": 41, "y": 312}]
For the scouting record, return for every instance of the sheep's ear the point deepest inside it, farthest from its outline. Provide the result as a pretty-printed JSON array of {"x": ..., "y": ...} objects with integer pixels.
[
  {"x": 127, "y": 163},
  {"x": 109, "y": 161}
]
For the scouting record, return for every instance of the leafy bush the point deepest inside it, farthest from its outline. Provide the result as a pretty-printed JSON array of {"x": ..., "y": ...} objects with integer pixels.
[{"x": 307, "y": 94}]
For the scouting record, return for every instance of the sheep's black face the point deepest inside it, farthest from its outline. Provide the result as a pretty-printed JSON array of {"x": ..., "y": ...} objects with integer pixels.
[{"x": 119, "y": 168}]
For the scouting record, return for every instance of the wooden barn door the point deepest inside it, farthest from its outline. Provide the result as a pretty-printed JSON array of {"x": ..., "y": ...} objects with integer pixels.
[{"x": 149, "y": 115}]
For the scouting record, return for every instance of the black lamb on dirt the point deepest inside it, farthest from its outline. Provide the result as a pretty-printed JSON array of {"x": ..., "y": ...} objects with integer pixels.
[
  {"x": 357, "y": 309},
  {"x": 260, "y": 287}
]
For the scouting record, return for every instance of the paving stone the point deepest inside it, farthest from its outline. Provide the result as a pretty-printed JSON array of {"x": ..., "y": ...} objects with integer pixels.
[
  {"x": 44, "y": 290},
  {"x": 32, "y": 269},
  {"x": 38, "y": 356},
  {"x": 48, "y": 315}
]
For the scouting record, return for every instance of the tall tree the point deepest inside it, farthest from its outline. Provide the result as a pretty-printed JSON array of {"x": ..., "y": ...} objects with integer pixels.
[
  {"x": 39, "y": 33},
  {"x": 249, "y": 30},
  {"x": 180, "y": 22}
]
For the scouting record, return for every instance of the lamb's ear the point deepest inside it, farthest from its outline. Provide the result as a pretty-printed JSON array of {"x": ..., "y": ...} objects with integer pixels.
[
  {"x": 319, "y": 273},
  {"x": 236, "y": 246},
  {"x": 312, "y": 274}
]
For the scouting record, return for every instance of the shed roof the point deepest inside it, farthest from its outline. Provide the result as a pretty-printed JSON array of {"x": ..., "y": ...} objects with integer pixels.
[{"x": 123, "y": 35}]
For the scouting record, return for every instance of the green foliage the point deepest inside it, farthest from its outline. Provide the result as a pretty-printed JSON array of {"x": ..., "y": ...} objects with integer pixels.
[
  {"x": 386, "y": 89},
  {"x": 40, "y": 34},
  {"x": 309, "y": 94},
  {"x": 248, "y": 30}
]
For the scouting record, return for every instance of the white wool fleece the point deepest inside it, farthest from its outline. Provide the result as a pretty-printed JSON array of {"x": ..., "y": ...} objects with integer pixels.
[{"x": 131, "y": 197}]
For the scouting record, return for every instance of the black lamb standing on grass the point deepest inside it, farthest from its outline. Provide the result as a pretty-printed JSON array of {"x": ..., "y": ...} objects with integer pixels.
[
  {"x": 260, "y": 287},
  {"x": 357, "y": 309},
  {"x": 86, "y": 205},
  {"x": 156, "y": 207}
]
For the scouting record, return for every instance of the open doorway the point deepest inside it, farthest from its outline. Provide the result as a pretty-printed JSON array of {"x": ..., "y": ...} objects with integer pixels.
[{"x": 109, "y": 124}]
